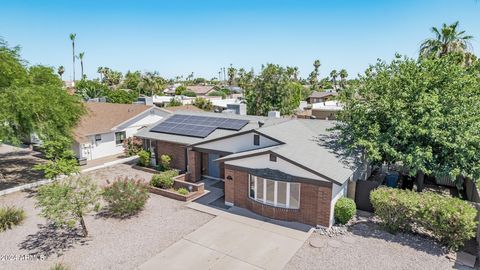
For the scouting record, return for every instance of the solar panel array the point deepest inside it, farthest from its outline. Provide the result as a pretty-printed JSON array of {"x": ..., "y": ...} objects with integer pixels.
[{"x": 197, "y": 126}]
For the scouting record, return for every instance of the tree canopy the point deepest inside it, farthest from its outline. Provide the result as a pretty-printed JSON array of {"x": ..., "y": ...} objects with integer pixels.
[
  {"x": 422, "y": 113},
  {"x": 273, "y": 89}
]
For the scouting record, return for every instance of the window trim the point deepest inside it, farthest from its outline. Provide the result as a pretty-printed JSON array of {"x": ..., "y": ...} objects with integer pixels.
[
  {"x": 124, "y": 137},
  {"x": 275, "y": 203}
]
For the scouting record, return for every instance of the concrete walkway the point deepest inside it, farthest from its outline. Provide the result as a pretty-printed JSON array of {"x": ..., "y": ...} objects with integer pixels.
[{"x": 231, "y": 241}]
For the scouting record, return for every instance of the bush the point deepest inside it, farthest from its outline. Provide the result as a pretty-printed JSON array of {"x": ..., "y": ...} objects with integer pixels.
[
  {"x": 165, "y": 162},
  {"x": 182, "y": 191},
  {"x": 203, "y": 103},
  {"x": 189, "y": 93},
  {"x": 125, "y": 197},
  {"x": 143, "y": 158},
  {"x": 10, "y": 216},
  {"x": 164, "y": 179},
  {"x": 174, "y": 102},
  {"x": 217, "y": 94},
  {"x": 345, "y": 209},
  {"x": 450, "y": 220},
  {"x": 132, "y": 145}
]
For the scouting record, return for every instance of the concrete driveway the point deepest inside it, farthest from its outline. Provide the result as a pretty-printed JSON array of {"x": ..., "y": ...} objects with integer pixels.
[{"x": 231, "y": 241}]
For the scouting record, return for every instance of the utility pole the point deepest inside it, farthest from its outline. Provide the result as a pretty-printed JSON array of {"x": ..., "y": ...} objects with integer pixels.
[{"x": 224, "y": 76}]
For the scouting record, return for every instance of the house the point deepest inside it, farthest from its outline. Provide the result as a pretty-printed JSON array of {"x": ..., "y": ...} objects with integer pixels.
[
  {"x": 286, "y": 169},
  {"x": 317, "y": 97},
  {"x": 327, "y": 110},
  {"x": 201, "y": 90},
  {"x": 101, "y": 131}
]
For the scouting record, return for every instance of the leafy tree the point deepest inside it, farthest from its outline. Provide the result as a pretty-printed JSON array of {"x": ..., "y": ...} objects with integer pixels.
[
  {"x": 72, "y": 38},
  {"x": 203, "y": 103},
  {"x": 217, "y": 94},
  {"x": 152, "y": 84},
  {"x": 272, "y": 89},
  {"x": 43, "y": 75},
  {"x": 199, "y": 80},
  {"x": 132, "y": 80},
  {"x": 121, "y": 96},
  {"x": 68, "y": 201},
  {"x": 189, "y": 93},
  {"x": 61, "y": 160},
  {"x": 12, "y": 67},
  {"x": 448, "y": 39},
  {"x": 423, "y": 114},
  {"x": 180, "y": 90}
]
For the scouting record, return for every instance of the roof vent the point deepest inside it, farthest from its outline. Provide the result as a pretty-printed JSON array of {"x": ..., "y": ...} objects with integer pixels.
[
  {"x": 274, "y": 114},
  {"x": 261, "y": 123}
]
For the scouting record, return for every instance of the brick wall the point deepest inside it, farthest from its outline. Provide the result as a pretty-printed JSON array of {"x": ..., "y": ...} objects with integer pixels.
[
  {"x": 175, "y": 151},
  {"x": 314, "y": 201},
  {"x": 194, "y": 165}
]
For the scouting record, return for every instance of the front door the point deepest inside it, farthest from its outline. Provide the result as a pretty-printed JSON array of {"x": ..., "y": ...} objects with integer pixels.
[{"x": 213, "y": 167}]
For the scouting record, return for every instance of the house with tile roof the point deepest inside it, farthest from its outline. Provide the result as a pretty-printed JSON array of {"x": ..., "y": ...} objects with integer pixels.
[
  {"x": 101, "y": 132},
  {"x": 281, "y": 168}
]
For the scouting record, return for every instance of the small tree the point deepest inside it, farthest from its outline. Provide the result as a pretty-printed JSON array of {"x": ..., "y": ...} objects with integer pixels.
[
  {"x": 61, "y": 160},
  {"x": 66, "y": 202},
  {"x": 165, "y": 162}
]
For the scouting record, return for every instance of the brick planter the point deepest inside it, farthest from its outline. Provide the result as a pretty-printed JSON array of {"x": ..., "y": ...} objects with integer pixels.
[{"x": 179, "y": 182}]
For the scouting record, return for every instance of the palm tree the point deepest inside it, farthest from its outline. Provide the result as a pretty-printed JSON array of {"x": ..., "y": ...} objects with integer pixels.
[
  {"x": 334, "y": 75},
  {"x": 80, "y": 56},
  {"x": 447, "y": 39},
  {"x": 343, "y": 78},
  {"x": 100, "y": 70},
  {"x": 60, "y": 71},
  {"x": 72, "y": 38}
]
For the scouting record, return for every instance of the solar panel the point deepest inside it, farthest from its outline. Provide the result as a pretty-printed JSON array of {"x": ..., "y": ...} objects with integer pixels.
[{"x": 197, "y": 126}]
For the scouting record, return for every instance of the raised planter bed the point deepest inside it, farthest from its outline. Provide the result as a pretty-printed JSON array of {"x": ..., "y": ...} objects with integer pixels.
[{"x": 196, "y": 189}]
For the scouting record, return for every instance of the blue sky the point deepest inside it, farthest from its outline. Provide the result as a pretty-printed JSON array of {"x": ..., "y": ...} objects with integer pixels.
[{"x": 179, "y": 37}]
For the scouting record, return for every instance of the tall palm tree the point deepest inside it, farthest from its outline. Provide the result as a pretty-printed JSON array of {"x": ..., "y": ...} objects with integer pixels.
[
  {"x": 100, "y": 70},
  {"x": 343, "y": 78},
  {"x": 72, "y": 38},
  {"x": 80, "y": 56},
  {"x": 447, "y": 39},
  {"x": 334, "y": 75},
  {"x": 60, "y": 71}
]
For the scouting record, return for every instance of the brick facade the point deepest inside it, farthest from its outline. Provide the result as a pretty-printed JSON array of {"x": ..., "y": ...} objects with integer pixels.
[
  {"x": 315, "y": 201},
  {"x": 194, "y": 166},
  {"x": 175, "y": 151}
]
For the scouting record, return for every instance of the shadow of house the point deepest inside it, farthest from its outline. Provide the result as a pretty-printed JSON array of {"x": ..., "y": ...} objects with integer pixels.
[{"x": 51, "y": 240}]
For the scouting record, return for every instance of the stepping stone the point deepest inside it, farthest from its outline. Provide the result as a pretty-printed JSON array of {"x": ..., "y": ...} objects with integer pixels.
[
  {"x": 348, "y": 240},
  {"x": 334, "y": 243},
  {"x": 317, "y": 243},
  {"x": 466, "y": 259}
]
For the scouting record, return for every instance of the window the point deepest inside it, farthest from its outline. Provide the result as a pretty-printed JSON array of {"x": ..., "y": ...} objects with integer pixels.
[
  {"x": 98, "y": 137},
  {"x": 256, "y": 139},
  {"x": 273, "y": 158},
  {"x": 120, "y": 137},
  {"x": 276, "y": 193}
]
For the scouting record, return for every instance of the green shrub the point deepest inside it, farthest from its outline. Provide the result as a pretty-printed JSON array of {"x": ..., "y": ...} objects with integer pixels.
[
  {"x": 165, "y": 162},
  {"x": 125, "y": 197},
  {"x": 59, "y": 266},
  {"x": 132, "y": 145},
  {"x": 143, "y": 158},
  {"x": 164, "y": 179},
  {"x": 182, "y": 191},
  {"x": 345, "y": 209},
  {"x": 10, "y": 216},
  {"x": 449, "y": 220},
  {"x": 189, "y": 93},
  {"x": 203, "y": 103},
  {"x": 174, "y": 102},
  {"x": 217, "y": 94}
]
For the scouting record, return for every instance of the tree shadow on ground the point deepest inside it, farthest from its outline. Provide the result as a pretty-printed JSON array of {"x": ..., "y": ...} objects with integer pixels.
[
  {"x": 51, "y": 240},
  {"x": 106, "y": 213},
  {"x": 370, "y": 229},
  {"x": 17, "y": 169}
]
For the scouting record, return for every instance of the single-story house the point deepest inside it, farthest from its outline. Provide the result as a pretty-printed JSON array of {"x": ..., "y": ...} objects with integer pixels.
[
  {"x": 327, "y": 110},
  {"x": 317, "y": 97},
  {"x": 281, "y": 168},
  {"x": 201, "y": 90},
  {"x": 103, "y": 129}
]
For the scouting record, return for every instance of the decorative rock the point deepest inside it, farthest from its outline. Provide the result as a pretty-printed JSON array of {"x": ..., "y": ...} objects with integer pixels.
[
  {"x": 334, "y": 243},
  {"x": 317, "y": 243}
]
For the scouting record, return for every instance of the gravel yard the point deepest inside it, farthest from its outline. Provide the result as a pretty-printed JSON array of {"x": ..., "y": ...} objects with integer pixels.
[
  {"x": 16, "y": 166},
  {"x": 112, "y": 243},
  {"x": 366, "y": 246}
]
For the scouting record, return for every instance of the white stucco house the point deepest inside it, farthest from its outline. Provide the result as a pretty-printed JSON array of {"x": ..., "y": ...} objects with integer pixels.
[{"x": 101, "y": 132}]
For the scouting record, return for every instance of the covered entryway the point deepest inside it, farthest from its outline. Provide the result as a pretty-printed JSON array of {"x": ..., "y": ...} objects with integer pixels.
[{"x": 213, "y": 166}]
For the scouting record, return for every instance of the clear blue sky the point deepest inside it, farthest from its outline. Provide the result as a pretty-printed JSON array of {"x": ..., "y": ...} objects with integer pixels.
[{"x": 179, "y": 37}]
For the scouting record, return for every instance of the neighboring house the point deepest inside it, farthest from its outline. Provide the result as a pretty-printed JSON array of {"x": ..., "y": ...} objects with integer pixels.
[
  {"x": 201, "y": 90},
  {"x": 287, "y": 169},
  {"x": 326, "y": 110},
  {"x": 101, "y": 131},
  {"x": 317, "y": 97}
]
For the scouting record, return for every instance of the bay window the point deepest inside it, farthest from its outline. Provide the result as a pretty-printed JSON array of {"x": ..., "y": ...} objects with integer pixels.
[{"x": 276, "y": 193}]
